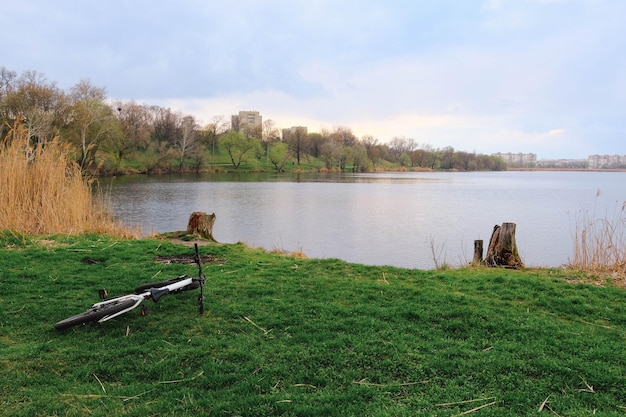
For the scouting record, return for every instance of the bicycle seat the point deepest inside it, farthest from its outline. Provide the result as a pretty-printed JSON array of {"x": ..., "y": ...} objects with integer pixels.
[{"x": 156, "y": 293}]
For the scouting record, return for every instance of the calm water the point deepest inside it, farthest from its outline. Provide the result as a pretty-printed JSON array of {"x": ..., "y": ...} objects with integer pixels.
[{"x": 395, "y": 219}]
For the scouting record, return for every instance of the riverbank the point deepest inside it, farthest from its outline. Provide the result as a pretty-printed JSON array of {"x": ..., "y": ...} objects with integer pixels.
[
  {"x": 290, "y": 336},
  {"x": 567, "y": 169},
  {"x": 225, "y": 169}
]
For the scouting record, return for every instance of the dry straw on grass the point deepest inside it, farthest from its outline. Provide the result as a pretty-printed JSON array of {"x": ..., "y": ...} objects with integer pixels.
[{"x": 42, "y": 191}]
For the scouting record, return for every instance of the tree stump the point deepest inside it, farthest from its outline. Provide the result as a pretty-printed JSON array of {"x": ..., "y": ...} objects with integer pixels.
[
  {"x": 201, "y": 224},
  {"x": 478, "y": 252},
  {"x": 502, "y": 249}
]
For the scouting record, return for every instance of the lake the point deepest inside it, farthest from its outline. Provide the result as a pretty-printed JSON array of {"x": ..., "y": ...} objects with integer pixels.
[{"x": 401, "y": 219}]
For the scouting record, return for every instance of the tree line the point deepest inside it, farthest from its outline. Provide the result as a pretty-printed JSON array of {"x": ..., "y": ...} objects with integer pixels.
[{"x": 119, "y": 137}]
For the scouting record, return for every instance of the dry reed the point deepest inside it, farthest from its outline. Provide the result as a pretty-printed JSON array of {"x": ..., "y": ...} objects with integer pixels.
[
  {"x": 600, "y": 243},
  {"x": 43, "y": 191}
]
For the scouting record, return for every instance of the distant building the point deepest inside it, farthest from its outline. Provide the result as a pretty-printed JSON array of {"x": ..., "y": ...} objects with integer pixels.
[
  {"x": 562, "y": 163},
  {"x": 607, "y": 161},
  {"x": 522, "y": 160},
  {"x": 294, "y": 132},
  {"x": 249, "y": 122}
]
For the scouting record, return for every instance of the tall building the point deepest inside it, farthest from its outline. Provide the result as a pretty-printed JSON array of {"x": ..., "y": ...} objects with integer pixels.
[
  {"x": 607, "y": 161},
  {"x": 517, "y": 159},
  {"x": 294, "y": 132},
  {"x": 249, "y": 122}
]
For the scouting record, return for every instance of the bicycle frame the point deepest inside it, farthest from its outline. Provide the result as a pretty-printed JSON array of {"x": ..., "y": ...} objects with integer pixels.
[{"x": 153, "y": 293}]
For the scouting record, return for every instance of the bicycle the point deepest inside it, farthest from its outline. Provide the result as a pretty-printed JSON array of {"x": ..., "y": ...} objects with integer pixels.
[{"x": 110, "y": 308}]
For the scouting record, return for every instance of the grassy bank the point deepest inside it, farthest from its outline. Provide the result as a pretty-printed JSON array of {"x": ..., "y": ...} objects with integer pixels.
[{"x": 302, "y": 337}]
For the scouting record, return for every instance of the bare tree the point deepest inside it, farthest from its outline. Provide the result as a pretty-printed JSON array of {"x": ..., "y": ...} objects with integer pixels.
[
  {"x": 270, "y": 132},
  {"x": 133, "y": 133},
  {"x": 7, "y": 83},
  {"x": 372, "y": 148},
  {"x": 297, "y": 139},
  {"x": 187, "y": 140},
  {"x": 399, "y": 146},
  {"x": 344, "y": 136},
  {"x": 166, "y": 124},
  {"x": 35, "y": 100},
  {"x": 136, "y": 123},
  {"x": 330, "y": 151},
  {"x": 218, "y": 126}
]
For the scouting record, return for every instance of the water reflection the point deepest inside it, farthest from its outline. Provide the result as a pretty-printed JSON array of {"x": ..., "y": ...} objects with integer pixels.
[{"x": 384, "y": 219}]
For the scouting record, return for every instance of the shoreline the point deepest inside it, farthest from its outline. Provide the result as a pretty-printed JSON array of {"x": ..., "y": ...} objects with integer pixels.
[{"x": 570, "y": 169}]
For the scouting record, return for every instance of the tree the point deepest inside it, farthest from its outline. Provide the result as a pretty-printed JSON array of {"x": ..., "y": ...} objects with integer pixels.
[
  {"x": 447, "y": 160},
  {"x": 399, "y": 146},
  {"x": 420, "y": 158},
  {"x": 464, "y": 161},
  {"x": 345, "y": 156},
  {"x": 92, "y": 122},
  {"x": 329, "y": 152},
  {"x": 187, "y": 140},
  {"x": 270, "y": 132},
  {"x": 136, "y": 122},
  {"x": 278, "y": 154},
  {"x": 166, "y": 132},
  {"x": 297, "y": 139},
  {"x": 133, "y": 133},
  {"x": 34, "y": 99},
  {"x": 166, "y": 124},
  {"x": 270, "y": 135},
  {"x": 373, "y": 148},
  {"x": 211, "y": 133},
  {"x": 7, "y": 81},
  {"x": 344, "y": 136},
  {"x": 360, "y": 160},
  {"x": 313, "y": 144},
  {"x": 158, "y": 156},
  {"x": 239, "y": 147},
  {"x": 405, "y": 160}
]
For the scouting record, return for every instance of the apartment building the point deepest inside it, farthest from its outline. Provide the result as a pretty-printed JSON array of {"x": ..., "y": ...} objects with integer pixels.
[
  {"x": 607, "y": 161},
  {"x": 517, "y": 159},
  {"x": 295, "y": 132},
  {"x": 249, "y": 122}
]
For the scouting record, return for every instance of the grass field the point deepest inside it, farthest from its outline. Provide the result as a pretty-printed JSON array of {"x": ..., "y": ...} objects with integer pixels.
[{"x": 302, "y": 337}]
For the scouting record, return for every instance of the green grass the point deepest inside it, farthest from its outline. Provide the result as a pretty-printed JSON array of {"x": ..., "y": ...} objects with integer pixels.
[{"x": 298, "y": 337}]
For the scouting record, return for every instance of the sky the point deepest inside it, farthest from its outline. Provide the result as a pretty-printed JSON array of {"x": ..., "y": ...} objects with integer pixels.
[{"x": 533, "y": 76}]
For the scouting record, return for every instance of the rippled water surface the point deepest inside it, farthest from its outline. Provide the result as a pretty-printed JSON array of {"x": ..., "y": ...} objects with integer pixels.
[{"x": 400, "y": 219}]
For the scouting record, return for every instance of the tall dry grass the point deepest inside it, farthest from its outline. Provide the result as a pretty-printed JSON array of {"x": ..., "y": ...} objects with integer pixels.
[
  {"x": 600, "y": 243},
  {"x": 42, "y": 191}
]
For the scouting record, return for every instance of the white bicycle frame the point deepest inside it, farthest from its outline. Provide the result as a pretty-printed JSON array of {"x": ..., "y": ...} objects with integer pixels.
[{"x": 139, "y": 298}]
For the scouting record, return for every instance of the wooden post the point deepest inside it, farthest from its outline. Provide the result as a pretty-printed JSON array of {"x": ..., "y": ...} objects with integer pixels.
[
  {"x": 201, "y": 224},
  {"x": 478, "y": 252},
  {"x": 502, "y": 249}
]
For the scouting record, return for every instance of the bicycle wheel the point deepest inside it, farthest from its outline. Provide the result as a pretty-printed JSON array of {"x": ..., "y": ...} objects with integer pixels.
[
  {"x": 144, "y": 287},
  {"x": 94, "y": 315}
]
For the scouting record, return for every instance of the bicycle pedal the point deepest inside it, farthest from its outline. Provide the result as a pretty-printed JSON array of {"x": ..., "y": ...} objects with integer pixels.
[
  {"x": 144, "y": 311},
  {"x": 102, "y": 293}
]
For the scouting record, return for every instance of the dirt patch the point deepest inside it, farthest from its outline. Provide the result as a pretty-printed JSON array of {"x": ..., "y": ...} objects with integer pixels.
[{"x": 187, "y": 259}]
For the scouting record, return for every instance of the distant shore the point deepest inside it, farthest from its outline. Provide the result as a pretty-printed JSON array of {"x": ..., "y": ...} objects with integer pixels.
[{"x": 569, "y": 169}]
